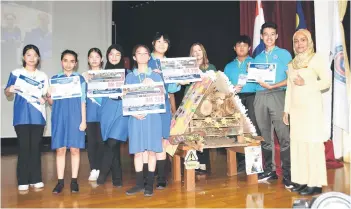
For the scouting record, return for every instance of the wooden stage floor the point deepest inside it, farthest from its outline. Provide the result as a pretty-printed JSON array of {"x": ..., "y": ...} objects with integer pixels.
[{"x": 215, "y": 190}]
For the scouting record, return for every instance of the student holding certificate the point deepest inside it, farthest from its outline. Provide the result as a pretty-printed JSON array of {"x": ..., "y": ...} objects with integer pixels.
[
  {"x": 68, "y": 121},
  {"x": 93, "y": 132},
  {"x": 114, "y": 126},
  {"x": 236, "y": 71},
  {"x": 307, "y": 77},
  {"x": 161, "y": 44},
  {"x": 28, "y": 84},
  {"x": 269, "y": 105},
  {"x": 145, "y": 131}
]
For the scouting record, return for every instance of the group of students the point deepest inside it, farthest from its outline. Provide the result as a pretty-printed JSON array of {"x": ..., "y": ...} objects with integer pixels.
[
  {"x": 292, "y": 106},
  {"x": 106, "y": 127}
]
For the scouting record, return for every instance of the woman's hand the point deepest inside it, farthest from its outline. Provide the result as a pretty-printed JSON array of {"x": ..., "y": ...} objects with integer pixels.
[
  {"x": 299, "y": 81},
  {"x": 42, "y": 100},
  {"x": 148, "y": 81},
  {"x": 286, "y": 118},
  {"x": 139, "y": 117},
  {"x": 157, "y": 71},
  {"x": 238, "y": 88},
  {"x": 82, "y": 126}
]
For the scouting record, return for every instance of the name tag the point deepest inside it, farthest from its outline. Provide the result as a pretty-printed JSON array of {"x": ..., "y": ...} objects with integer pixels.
[{"x": 242, "y": 79}]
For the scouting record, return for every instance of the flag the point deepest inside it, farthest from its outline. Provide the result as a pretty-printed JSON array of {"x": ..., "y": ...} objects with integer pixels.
[
  {"x": 340, "y": 102},
  {"x": 300, "y": 17},
  {"x": 258, "y": 45}
]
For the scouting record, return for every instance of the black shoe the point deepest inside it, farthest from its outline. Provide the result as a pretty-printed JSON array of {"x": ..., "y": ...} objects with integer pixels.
[
  {"x": 101, "y": 179},
  {"x": 298, "y": 187},
  {"x": 58, "y": 188},
  {"x": 134, "y": 190},
  {"x": 74, "y": 187},
  {"x": 311, "y": 191},
  {"x": 148, "y": 192},
  {"x": 200, "y": 172},
  {"x": 117, "y": 184},
  {"x": 287, "y": 183},
  {"x": 268, "y": 175},
  {"x": 161, "y": 185}
]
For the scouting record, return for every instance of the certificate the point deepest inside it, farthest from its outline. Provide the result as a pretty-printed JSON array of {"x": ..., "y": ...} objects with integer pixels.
[
  {"x": 143, "y": 98},
  {"x": 28, "y": 88},
  {"x": 105, "y": 83},
  {"x": 262, "y": 71},
  {"x": 253, "y": 160},
  {"x": 67, "y": 87},
  {"x": 183, "y": 69}
]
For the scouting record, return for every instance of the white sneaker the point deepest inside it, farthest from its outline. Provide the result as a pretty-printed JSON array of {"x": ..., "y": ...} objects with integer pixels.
[
  {"x": 92, "y": 176},
  {"x": 37, "y": 185},
  {"x": 97, "y": 174},
  {"x": 23, "y": 187}
]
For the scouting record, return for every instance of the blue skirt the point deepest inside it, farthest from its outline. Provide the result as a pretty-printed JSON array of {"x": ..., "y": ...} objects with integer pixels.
[
  {"x": 166, "y": 120},
  {"x": 145, "y": 135},
  {"x": 65, "y": 121}
]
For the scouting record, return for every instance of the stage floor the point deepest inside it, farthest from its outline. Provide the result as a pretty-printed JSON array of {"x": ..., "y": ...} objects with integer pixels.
[{"x": 215, "y": 190}]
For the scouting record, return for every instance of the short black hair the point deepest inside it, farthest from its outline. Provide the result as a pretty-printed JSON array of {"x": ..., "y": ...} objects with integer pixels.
[
  {"x": 158, "y": 35},
  {"x": 71, "y": 52},
  {"x": 269, "y": 25},
  {"x": 28, "y": 47},
  {"x": 243, "y": 39}
]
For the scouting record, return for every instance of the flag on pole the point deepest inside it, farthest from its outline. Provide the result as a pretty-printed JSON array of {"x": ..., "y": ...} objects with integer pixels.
[
  {"x": 258, "y": 45},
  {"x": 340, "y": 101},
  {"x": 300, "y": 17}
]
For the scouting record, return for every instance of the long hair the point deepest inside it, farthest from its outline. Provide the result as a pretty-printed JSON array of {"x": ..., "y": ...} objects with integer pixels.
[{"x": 205, "y": 61}]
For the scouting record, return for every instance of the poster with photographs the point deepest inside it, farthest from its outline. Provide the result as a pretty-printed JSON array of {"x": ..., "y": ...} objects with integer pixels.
[
  {"x": 144, "y": 98},
  {"x": 177, "y": 70},
  {"x": 253, "y": 160},
  {"x": 105, "y": 83}
]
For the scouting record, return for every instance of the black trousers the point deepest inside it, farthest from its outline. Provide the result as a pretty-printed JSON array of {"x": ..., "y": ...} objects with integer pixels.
[
  {"x": 112, "y": 161},
  {"x": 29, "y": 154},
  {"x": 95, "y": 145}
]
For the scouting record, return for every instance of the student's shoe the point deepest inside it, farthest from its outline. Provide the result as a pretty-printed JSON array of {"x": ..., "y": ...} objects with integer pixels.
[
  {"x": 74, "y": 187},
  {"x": 287, "y": 183},
  {"x": 270, "y": 175},
  {"x": 23, "y": 187},
  {"x": 311, "y": 191},
  {"x": 93, "y": 176},
  {"x": 58, "y": 188},
  {"x": 134, "y": 190},
  {"x": 299, "y": 187},
  {"x": 37, "y": 185}
]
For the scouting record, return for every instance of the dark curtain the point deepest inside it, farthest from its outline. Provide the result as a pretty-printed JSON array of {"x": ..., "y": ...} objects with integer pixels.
[{"x": 283, "y": 13}]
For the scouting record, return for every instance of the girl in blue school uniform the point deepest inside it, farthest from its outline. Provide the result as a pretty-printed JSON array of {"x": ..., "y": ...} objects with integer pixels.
[
  {"x": 145, "y": 131},
  {"x": 93, "y": 132},
  {"x": 113, "y": 125},
  {"x": 161, "y": 44},
  {"x": 68, "y": 123},
  {"x": 29, "y": 119}
]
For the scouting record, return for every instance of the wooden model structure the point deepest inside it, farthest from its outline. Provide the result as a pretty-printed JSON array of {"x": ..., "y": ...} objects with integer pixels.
[{"x": 209, "y": 114}]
